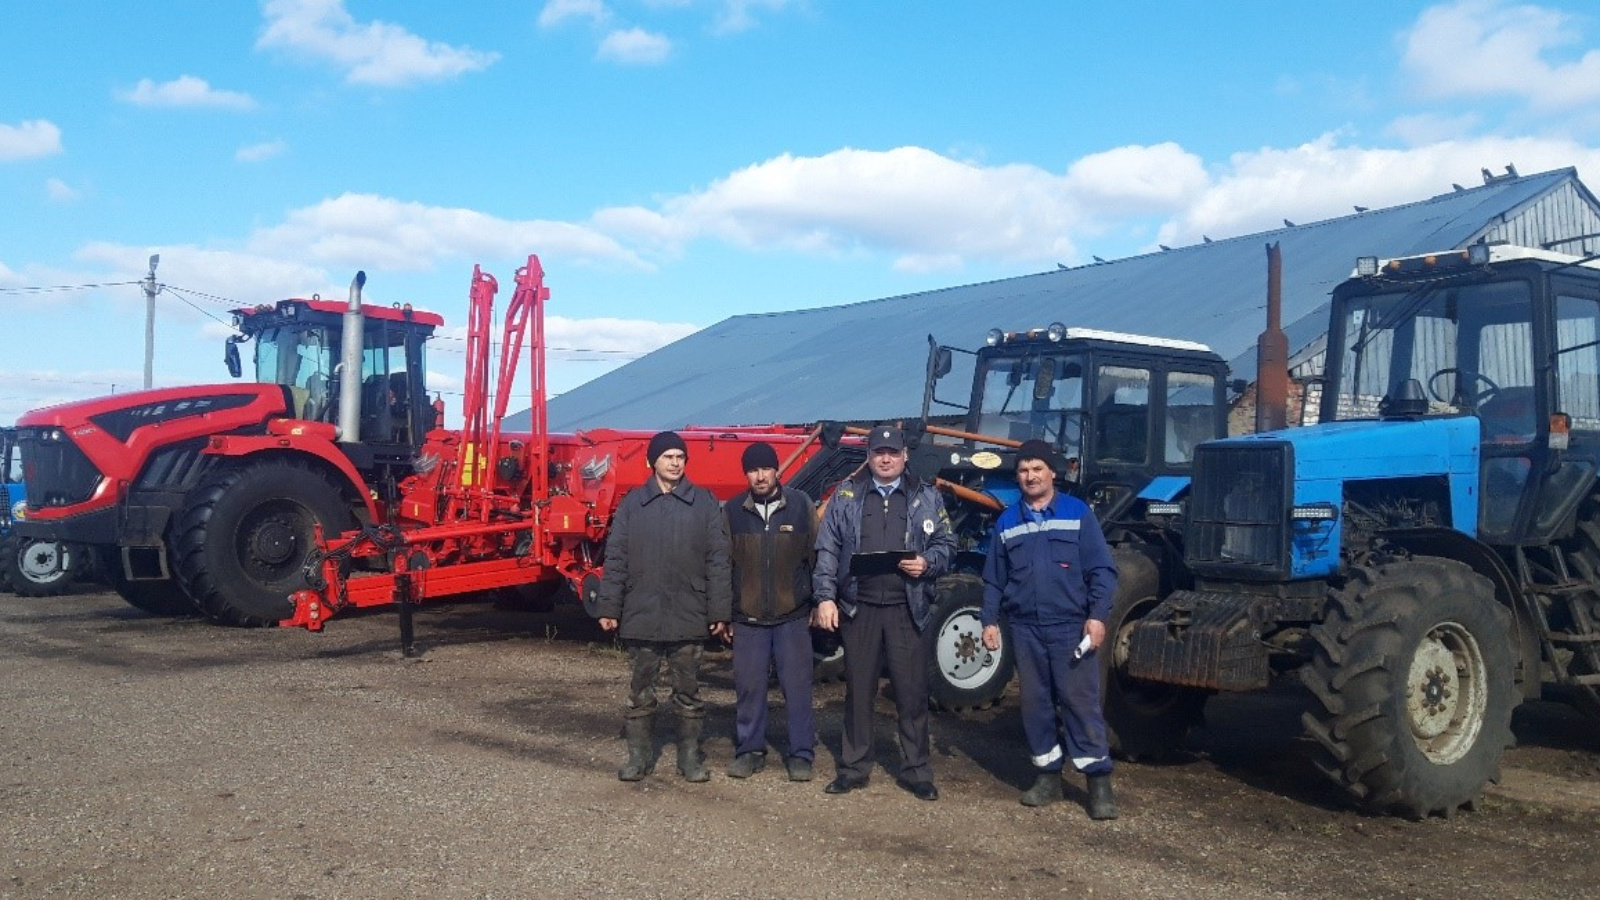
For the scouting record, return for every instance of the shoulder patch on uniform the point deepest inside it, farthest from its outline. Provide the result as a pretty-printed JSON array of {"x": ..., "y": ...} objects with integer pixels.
[{"x": 846, "y": 493}]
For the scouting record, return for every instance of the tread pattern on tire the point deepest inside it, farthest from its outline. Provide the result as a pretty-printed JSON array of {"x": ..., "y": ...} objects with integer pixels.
[
  {"x": 189, "y": 537},
  {"x": 1357, "y": 676}
]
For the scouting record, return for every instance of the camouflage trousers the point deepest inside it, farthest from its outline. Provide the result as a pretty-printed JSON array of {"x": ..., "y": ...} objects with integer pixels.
[{"x": 682, "y": 662}]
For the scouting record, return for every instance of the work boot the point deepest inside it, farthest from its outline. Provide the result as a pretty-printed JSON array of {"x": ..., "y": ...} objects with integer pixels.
[
  {"x": 1101, "y": 804},
  {"x": 639, "y": 764},
  {"x": 1045, "y": 791},
  {"x": 799, "y": 768},
  {"x": 747, "y": 764},
  {"x": 690, "y": 763}
]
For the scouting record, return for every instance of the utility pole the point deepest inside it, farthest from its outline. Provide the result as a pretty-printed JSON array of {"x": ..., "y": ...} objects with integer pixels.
[{"x": 150, "y": 291}]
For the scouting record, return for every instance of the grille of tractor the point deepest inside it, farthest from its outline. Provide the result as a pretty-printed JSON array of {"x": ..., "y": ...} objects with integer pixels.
[
  {"x": 1239, "y": 516},
  {"x": 54, "y": 471}
]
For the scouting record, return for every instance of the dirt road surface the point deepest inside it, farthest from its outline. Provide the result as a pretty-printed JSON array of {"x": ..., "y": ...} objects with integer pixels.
[{"x": 144, "y": 757}]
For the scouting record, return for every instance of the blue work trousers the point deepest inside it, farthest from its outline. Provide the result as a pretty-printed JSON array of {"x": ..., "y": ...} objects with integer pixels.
[
  {"x": 1058, "y": 690},
  {"x": 756, "y": 650}
]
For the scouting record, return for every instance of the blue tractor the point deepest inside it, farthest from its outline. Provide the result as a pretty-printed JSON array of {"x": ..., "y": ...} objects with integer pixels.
[
  {"x": 30, "y": 567},
  {"x": 1429, "y": 555}
]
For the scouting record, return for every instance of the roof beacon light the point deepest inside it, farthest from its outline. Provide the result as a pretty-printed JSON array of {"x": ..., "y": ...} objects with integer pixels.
[
  {"x": 1366, "y": 266},
  {"x": 1055, "y": 332},
  {"x": 994, "y": 337}
]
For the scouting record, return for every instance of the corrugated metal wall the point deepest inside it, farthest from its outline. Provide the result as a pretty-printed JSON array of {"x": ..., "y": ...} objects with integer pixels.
[{"x": 1565, "y": 213}]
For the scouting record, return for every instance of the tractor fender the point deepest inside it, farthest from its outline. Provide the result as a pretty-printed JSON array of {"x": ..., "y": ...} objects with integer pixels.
[
  {"x": 1447, "y": 543},
  {"x": 324, "y": 451}
]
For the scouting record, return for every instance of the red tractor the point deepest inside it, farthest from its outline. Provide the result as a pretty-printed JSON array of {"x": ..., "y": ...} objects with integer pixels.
[{"x": 214, "y": 498}]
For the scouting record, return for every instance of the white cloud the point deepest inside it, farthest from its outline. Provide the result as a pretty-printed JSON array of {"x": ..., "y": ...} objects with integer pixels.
[
  {"x": 59, "y": 191},
  {"x": 557, "y": 11},
  {"x": 379, "y": 232},
  {"x": 1322, "y": 179},
  {"x": 253, "y": 153},
  {"x": 1475, "y": 48},
  {"x": 184, "y": 92},
  {"x": 28, "y": 140},
  {"x": 373, "y": 53},
  {"x": 738, "y": 15},
  {"x": 634, "y": 46},
  {"x": 926, "y": 208}
]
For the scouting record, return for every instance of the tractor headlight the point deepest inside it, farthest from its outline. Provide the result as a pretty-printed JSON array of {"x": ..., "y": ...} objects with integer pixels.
[
  {"x": 1366, "y": 266},
  {"x": 995, "y": 337},
  {"x": 1314, "y": 512},
  {"x": 1478, "y": 254},
  {"x": 1055, "y": 332}
]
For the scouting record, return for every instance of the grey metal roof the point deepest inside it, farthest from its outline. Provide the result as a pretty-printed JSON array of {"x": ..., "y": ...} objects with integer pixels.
[{"x": 865, "y": 360}]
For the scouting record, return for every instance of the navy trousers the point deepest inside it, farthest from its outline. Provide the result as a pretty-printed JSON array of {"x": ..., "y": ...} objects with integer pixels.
[
  {"x": 872, "y": 635},
  {"x": 1052, "y": 680},
  {"x": 756, "y": 649}
]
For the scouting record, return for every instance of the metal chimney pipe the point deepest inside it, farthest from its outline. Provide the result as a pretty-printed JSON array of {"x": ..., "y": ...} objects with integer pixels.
[
  {"x": 350, "y": 364},
  {"x": 1272, "y": 353}
]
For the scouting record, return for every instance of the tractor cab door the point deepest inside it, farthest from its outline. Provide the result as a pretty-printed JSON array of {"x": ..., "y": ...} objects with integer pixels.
[
  {"x": 1575, "y": 391},
  {"x": 1146, "y": 417},
  {"x": 395, "y": 412}
]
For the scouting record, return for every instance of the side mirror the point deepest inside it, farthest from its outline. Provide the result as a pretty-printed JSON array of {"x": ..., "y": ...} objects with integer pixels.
[
  {"x": 1044, "y": 383},
  {"x": 941, "y": 363},
  {"x": 230, "y": 356}
]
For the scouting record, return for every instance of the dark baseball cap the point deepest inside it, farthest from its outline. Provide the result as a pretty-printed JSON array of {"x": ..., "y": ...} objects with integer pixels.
[{"x": 886, "y": 437}]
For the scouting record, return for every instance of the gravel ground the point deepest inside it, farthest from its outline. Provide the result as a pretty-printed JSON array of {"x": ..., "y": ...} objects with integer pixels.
[{"x": 144, "y": 757}]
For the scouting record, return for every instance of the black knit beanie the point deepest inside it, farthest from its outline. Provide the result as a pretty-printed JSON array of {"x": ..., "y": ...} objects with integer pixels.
[
  {"x": 1037, "y": 449},
  {"x": 662, "y": 442},
  {"x": 759, "y": 455}
]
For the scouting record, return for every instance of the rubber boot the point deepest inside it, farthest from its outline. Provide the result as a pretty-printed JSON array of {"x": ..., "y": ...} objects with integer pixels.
[
  {"x": 1101, "y": 804},
  {"x": 1045, "y": 791},
  {"x": 639, "y": 734},
  {"x": 690, "y": 763}
]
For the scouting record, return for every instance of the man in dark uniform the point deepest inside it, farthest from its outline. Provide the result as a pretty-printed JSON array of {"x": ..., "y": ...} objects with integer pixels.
[
  {"x": 883, "y": 542},
  {"x": 1050, "y": 571},
  {"x": 772, "y": 528},
  {"x": 666, "y": 585}
]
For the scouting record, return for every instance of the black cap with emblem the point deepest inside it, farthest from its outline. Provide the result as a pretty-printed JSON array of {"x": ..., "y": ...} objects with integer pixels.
[{"x": 886, "y": 437}]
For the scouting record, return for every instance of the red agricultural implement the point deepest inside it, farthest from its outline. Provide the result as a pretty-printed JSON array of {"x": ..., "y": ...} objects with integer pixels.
[{"x": 326, "y": 484}]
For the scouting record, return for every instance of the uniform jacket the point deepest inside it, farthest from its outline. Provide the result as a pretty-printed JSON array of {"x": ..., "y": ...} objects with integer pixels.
[
  {"x": 666, "y": 569},
  {"x": 927, "y": 534},
  {"x": 771, "y": 558},
  {"x": 1052, "y": 572}
]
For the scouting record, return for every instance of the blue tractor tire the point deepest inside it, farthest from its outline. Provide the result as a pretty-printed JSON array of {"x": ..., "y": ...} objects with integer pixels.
[{"x": 1412, "y": 676}]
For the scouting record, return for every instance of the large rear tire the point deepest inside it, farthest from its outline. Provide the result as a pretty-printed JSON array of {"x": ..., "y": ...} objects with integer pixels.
[
  {"x": 39, "y": 568},
  {"x": 962, "y": 675},
  {"x": 1145, "y": 720},
  {"x": 244, "y": 535},
  {"x": 1412, "y": 677}
]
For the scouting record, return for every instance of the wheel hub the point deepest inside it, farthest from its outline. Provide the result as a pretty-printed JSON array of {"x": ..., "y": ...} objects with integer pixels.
[
  {"x": 274, "y": 542},
  {"x": 1446, "y": 695},
  {"x": 41, "y": 562},
  {"x": 962, "y": 656}
]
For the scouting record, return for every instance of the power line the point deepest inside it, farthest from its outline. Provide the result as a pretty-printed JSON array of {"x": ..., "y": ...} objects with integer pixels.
[{"x": 53, "y": 288}]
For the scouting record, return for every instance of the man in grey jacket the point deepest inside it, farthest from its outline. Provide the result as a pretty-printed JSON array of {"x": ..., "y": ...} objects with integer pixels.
[
  {"x": 667, "y": 584},
  {"x": 884, "y": 541}
]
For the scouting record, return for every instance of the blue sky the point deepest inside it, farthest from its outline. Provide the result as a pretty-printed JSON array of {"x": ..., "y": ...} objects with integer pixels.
[{"x": 675, "y": 162}]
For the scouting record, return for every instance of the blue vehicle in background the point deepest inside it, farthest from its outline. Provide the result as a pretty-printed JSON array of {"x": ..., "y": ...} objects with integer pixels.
[
  {"x": 32, "y": 568},
  {"x": 1429, "y": 555}
]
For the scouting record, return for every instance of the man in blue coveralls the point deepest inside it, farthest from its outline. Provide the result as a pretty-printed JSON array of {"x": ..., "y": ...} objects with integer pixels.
[{"x": 1050, "y": 571}]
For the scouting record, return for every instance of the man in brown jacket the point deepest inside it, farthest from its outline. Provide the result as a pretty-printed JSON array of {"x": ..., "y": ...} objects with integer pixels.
[
  {"x": 666, "y": 585},
  {"x": 772, "y": 532}
]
